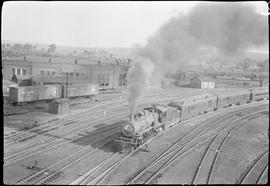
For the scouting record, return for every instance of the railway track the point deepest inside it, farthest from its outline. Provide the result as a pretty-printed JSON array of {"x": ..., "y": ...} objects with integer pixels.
[
  {"x": 28, "y": 135},
  {"x": 23, "y": 154},
  {"x": 95, "y": 179},
  {"x": 217, "y": 151},
  {"x": 250, "y": 174},
  {"x": 91, "y": 177},
  {"x": 19, "y": 137},
  {"x": 106, "y": 167},
  {"x": 151, "y": 173},
  {"x": 263, "y": 175},
  {"x": 53, "y": 175},
  {"x": 13, "y": 157},
  {"x": 45, "y": 176}
]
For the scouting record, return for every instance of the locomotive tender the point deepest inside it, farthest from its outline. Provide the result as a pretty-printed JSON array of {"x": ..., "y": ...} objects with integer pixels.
[{"x": 156, "y": 118}]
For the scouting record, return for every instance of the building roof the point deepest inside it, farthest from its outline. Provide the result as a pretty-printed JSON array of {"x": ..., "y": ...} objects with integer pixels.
[
  {"x": 59, "y": 60},
  {"x": 203, "y": 78}
]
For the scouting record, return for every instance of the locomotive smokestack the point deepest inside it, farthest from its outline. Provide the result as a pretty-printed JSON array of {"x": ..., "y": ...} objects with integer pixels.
[{"x": 131, "y": 117}]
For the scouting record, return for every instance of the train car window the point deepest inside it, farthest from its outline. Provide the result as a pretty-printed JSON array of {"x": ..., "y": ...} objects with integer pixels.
[
  {"x": 53, "y": 73},
  {"x": 48, "y": 73},
  {"x": 77, "y": 74}
]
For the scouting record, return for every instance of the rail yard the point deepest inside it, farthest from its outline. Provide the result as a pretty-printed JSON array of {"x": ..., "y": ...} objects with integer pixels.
[
  {"x": 113, "y": 93},
  {"x": 79, "y": 148}
]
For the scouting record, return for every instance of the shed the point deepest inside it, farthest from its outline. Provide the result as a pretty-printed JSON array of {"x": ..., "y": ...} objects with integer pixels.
[{"x": 202, "y": 82}]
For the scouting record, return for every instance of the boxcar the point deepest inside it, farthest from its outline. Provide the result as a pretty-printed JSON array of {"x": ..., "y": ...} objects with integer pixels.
[
  {"x": 78, "y": 90},
  {"x": 259, "y": 93},
  {"x": 34, "y": 93}
]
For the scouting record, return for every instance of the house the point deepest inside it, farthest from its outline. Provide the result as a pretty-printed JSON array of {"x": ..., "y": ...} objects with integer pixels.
[{"x": 202, "y": 82}]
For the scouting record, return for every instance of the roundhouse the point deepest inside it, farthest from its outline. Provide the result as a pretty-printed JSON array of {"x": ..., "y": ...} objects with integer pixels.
[{"x": 103, "y": 73}]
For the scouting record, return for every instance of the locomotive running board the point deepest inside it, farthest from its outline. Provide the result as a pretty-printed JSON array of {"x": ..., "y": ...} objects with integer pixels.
[{"x": 126, "y": 140}]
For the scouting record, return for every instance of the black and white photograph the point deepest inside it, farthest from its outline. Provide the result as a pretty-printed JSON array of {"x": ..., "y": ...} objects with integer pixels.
[{"x": 135, "y": 92}]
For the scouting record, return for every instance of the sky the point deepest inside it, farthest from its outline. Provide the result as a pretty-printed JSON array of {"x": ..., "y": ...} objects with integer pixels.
[{"x": 91, "y": 24}]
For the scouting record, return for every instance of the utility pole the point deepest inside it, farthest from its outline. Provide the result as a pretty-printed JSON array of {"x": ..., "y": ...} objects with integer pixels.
[
  {"x": 261, "y": 83},
  {"x": 66, "y": 84}
]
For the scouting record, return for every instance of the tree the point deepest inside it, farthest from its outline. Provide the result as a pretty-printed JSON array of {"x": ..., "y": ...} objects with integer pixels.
[
  {"x": 18, "y": 47},
  {"x": 3, "y": 46},
  {"x": 52, "y": 48},
  {"x": 27, "y": 48}
]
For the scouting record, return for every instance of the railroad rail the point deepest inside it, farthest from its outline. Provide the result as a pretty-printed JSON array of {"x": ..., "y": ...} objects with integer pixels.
[
  {"x": 41, "y": 178},
  {"x": 247, "y": 173}
]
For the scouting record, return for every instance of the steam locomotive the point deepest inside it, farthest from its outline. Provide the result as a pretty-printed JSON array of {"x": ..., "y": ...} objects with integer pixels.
[
  {"x": 154, "y": 119},
  {"x": 142, "y": 126}
]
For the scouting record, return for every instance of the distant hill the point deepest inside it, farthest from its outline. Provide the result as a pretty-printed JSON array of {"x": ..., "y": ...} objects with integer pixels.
[{"x": 126, "y": 52}]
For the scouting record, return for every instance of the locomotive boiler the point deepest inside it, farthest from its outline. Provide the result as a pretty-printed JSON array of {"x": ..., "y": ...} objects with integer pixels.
[{"x": 141, "y": 127}]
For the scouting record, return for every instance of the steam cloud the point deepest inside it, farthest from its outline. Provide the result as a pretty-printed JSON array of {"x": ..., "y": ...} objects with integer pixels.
[
  {"x": 228, "y": 28},
  {"x": 138, "y": 80}
]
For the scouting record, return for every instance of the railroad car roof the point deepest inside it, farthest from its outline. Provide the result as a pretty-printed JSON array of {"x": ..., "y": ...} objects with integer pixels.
[
  {"x": 231, "y": 93},
  {"x": 259, "y": 88},
  {"x": 186, "y": 100},
  {"x": 162, "y": 108}
]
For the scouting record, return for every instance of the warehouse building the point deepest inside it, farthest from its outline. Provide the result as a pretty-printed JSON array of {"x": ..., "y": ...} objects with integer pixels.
[
  {"x": 102, "y": 73},
  {"x": 202, "y": 82}
]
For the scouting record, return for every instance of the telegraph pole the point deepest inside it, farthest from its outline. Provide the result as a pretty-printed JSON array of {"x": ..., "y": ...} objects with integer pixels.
[{"x": 66, "y": 84}]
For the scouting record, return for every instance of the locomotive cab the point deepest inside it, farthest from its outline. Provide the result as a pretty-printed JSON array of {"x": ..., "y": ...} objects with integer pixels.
[{"x": 161, "y": 110}]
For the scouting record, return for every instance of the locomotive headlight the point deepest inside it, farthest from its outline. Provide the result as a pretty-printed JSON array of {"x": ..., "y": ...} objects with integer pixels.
[{"x": 128, "y": 130}]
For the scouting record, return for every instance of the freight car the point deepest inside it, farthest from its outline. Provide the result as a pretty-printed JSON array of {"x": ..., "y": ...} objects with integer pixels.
[
  {"x": 22, "y": 95},
  {"x": 79, "y": 90}
]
